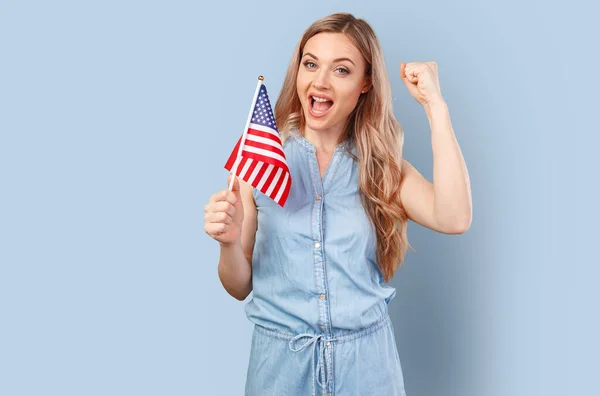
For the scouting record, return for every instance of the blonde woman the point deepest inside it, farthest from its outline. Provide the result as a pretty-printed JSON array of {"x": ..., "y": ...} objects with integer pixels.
[{"x": 319, "y": 267}]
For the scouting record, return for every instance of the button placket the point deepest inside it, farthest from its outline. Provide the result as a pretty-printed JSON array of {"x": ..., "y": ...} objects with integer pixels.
[{"x": 318, "y": 226}]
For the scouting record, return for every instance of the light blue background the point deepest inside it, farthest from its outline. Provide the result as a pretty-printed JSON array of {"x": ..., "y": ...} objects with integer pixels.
[{"x": 116, "y": 118}]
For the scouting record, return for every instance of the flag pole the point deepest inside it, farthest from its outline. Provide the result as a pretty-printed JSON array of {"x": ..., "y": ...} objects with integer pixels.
[{"x": 235, "y": 164}]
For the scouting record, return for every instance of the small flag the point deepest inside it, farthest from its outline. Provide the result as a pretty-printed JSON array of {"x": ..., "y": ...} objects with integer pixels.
[{"x": 261, "y": 162}]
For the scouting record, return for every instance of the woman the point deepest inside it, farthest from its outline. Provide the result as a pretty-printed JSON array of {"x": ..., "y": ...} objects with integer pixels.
[{"x": 319, "y": 266}]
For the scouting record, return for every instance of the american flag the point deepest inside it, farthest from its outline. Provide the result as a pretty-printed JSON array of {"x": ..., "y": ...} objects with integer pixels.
[{"x": 262, "y": 161}]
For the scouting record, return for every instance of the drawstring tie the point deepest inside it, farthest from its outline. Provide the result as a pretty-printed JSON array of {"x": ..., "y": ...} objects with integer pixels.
[{"x": 322, "y": 372}]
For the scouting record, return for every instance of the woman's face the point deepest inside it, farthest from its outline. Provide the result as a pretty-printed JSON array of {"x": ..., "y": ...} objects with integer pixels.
[{"x": 331, "y": 68}]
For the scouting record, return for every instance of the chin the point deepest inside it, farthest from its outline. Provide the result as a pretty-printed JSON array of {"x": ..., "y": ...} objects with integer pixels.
[{"x": 317, "y": 125}]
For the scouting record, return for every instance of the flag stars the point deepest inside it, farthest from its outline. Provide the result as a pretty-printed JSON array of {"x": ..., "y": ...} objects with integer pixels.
[{"x": 263, "y": 112}]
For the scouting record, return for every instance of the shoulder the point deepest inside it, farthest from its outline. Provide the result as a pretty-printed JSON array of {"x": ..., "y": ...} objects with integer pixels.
[
  {"x": 289, "y": 139},
  {"x": 406, "y": 167}
]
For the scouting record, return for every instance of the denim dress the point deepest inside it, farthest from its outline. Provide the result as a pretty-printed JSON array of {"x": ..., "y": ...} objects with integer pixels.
[{"x": 319, "y": 303}]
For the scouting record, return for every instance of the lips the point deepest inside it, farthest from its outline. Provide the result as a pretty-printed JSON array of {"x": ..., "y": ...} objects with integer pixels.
[
  {"x": 319, "y": 95},
  {"x": 320, "y": 106}
]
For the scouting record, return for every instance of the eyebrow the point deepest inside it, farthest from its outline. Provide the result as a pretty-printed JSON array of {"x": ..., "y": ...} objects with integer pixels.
[{"x": 335, "y": 60}]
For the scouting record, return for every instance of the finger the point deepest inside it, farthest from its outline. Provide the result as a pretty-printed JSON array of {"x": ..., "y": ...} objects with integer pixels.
[
  {"x": 407, "y": 74},
  {"x": 411, "y": 74},
  {"x": 221, "y": 206},
  {"x": 218, "y": 217},
  {"x": 223, "y": 195},
  {"x": 215, "y": 229},
  {"x": 218, "y": 196}
]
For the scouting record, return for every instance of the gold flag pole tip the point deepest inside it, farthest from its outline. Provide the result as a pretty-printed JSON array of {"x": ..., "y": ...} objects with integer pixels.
[{"x": 261, "y": 78}]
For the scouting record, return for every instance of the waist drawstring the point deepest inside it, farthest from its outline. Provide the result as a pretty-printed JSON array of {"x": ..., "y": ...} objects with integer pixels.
[{"x": 318, "y": 348}]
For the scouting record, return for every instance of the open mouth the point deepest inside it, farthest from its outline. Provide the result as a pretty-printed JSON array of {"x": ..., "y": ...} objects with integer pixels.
[{"x": 318, "y": 107}]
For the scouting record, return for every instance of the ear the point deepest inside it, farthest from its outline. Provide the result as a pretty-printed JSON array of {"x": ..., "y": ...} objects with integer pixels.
[{"x": 367, "y": 85}]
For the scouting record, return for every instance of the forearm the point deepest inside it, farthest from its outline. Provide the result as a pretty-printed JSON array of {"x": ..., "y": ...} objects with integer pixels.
[
  {"x": 452, "y": 189},
  {"x": 235, "y": 272}
]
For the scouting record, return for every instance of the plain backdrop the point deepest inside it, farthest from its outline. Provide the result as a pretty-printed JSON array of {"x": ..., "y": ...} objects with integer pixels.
[{"x": 116, "y": 118}]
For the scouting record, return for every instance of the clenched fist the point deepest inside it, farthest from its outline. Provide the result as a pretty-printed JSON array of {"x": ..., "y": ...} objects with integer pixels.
[{"x": 224, "y": 214}]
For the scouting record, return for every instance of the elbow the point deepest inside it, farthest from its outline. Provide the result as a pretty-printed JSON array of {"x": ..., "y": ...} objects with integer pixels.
[
  {"x": 236, "y": 288},
  {"x": 240, "y": 297},
  {"x": 452, "y": 219},
  {"x": 461, "y": 226},
  {"x": 462, "y": 222},
  {"x": 455, "y": 225}
]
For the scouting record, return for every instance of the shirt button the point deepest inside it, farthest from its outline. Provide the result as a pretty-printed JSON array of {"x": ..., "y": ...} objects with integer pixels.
[
  {"x": 318, "y": 197},
  {"x": 322, "y": 296},
  {"x": 317, "y": 245}
]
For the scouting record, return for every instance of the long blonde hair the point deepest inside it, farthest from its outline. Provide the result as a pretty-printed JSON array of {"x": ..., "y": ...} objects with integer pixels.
[{"x": 374, "y": 129}]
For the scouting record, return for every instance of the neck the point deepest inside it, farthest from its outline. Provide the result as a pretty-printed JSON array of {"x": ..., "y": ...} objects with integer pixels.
[{"x": 324, "y": 140}]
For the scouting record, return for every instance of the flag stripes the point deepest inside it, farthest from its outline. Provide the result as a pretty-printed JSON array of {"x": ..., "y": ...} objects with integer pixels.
[{"x": 261, "y": 161}]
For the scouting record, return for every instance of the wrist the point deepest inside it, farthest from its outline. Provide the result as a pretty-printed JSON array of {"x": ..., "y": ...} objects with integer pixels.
[
  {"x": 436, "y": 104},
  {"x": 231, "y": 245},
  {"x": 435, "y": 107}
]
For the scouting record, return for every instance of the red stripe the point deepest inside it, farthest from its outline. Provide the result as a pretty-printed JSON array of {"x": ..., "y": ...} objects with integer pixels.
[
  {"x": 267, "y": 183},
  {"x": 268, "y": 160},
  {"x": 264, "y": 146},
  {"x": 286, "y": 192},
  {"x": 243, "y": 161},
  {"x": 233, "y": 155},
  {"x": 250, "y": 170},
  {"x": 278, "y": 185},
  {"x": 275, "y": 183},
  {"x": 266, "y": 135},
  {"x": 259, "y": 175},
  {"x": 241, "y": 165},
  {"x": 286, "y": 189}
]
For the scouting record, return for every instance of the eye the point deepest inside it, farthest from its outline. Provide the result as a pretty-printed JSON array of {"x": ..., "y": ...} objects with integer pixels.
[
  {"x": 308, "y": 63},
  {"x": 343, "y": 70}
]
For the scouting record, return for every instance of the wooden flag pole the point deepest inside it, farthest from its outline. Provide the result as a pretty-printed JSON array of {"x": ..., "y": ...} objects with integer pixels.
[{"x": 235, "y": 165}]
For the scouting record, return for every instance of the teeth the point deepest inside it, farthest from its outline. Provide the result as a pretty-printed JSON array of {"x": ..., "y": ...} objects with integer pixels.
[{"x": 320, "y": 99}]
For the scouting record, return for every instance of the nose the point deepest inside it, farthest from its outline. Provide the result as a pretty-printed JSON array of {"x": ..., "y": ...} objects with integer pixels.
[{"x": 321, "y": 80}]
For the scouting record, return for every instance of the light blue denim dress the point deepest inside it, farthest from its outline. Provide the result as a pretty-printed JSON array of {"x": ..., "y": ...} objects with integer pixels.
[{"x": 319, "y": 303}]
